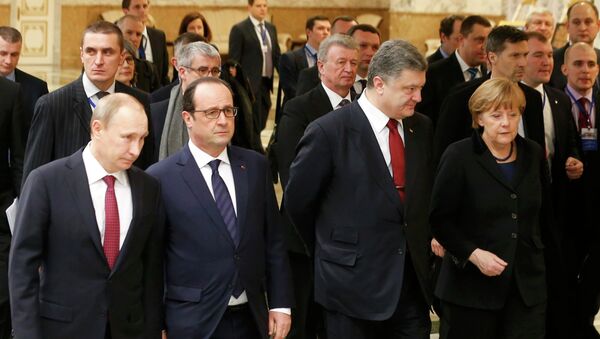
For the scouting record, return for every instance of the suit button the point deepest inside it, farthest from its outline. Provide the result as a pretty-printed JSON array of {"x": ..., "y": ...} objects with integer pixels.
[
  {"x": 514, "y": 216},
  {"x": 400, "y": 251},
  {"x": 513, "y": 235},
  {"x": 513, "y": 196}
]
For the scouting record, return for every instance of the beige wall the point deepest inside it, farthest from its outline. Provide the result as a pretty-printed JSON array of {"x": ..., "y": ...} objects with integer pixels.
[{"x": 4, "y": 15}]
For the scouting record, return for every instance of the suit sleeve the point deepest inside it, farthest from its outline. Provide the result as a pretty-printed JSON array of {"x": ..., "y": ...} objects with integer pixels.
[
  {"x": 164, "y": 63},
  {"x": 445, "y": 206},
  {"x": 287, "y": 76},
  {"x": 25, "y": 257},
  {"x": 275, "y": 49},
  {"x": 40, "y": 140},
  {"x": 310, "y": 173},
  {"x": 289, "y": 132},
  {"x": 455, "y": 121},
  {"x": 17, "y": 142},
  {"x": 236, "y": 44}
]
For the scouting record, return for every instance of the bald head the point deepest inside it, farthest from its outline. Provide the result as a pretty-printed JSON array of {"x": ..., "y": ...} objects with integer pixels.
[{"x": 580, "y": 67}]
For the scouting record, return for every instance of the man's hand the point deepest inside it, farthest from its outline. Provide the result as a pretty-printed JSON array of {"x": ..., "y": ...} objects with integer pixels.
[
  {"x": 279, "y": 324},
  {"x": 437, "y": 248},
  {"x": 487, "y": 262},
  {"x": 574, "y": 168}
]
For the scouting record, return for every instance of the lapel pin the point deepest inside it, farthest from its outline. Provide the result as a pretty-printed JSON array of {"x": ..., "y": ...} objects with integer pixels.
[
  {"x": 410, "y": 130},
  {"x": 556, "y": 101},
  {"x": 243, "y": 167}
]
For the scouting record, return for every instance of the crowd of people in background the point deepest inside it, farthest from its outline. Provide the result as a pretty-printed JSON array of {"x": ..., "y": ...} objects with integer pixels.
[{"x": 464, "y": 183}]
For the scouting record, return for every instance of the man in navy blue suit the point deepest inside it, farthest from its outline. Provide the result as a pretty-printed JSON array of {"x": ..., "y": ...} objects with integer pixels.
[{"x": 225, "y": 259}]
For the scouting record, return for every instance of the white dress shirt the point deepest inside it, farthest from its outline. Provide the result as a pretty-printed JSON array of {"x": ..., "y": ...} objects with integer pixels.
[
  {"x": 91, "y": 90},
  {"x": 464, "y": 68},
  {"x": 202, "y": 159},
  {"x": 309, "y": 51},
  {"x": 357, "y": 85},
  {"x": 378, "y": 121},
  {"x": 269, "y": 43},
  {"x": 146, "y": 44},
  {"x": 549, "y": 133},
  {"x": 335, "y": 98},
  {"x": 95, "y": 173}
]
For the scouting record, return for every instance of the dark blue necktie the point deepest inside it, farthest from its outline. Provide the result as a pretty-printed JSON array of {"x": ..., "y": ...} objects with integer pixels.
[
  {"x": 473, "y": 72},
  {"x": 142, "y": 49},
  {"x": 223, "y": 200}
]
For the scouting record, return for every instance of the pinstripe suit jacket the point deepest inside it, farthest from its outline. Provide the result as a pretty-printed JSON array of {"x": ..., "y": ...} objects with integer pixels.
[{"x": 61, "y": 126}]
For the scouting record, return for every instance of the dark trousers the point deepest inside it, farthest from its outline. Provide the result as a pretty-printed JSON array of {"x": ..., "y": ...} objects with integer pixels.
[
  {"x": 307, "y": 316},
  {"x": 262, "y": 104},
  {"x": 515, "y": 320},
  {"x": 5, "y": 324},
  {"x": 588, "y": 294},
  {"x": 237, "y": 323},
  {"x": 409, "y": 321}
]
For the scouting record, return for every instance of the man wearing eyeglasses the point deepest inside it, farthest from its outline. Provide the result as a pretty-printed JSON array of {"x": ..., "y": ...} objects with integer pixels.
[
  {"x": 225, "y": 259},
  {"x": 196, "y": 60}
]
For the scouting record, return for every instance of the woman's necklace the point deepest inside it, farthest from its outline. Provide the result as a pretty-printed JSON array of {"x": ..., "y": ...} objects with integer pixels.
[{"x": 510, "y": 152}]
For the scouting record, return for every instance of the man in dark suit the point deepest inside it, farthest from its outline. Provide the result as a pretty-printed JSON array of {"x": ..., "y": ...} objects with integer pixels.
[
  {"x": 292, "y": 62},
  {"x": 154, "y": 42},
  {"x": 467, "y": 63},
  {"x": 226, "y": 249},
  {"x": 368, "y": 40},
  {"x": 333, "y": 93},
  {"x": 60, "y": 123},
  {"x": 581, "y": 240},
  {"x": 359, "y": 188},
  {"x": 563, "y": 156},
  {"x": 507, "y": 50},
  {"x": 253, "y": 43},
  {"x": 450, "y": 33},
  {"x": 32, "y": 88},
  {"x": 87, "y": 254},
  {"x": 12, "y": 148},
  {"x": 582, "y": 26}
]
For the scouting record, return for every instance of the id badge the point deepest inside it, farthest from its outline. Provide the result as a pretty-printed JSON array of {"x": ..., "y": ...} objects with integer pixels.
[{"x": 589, "y": 139}]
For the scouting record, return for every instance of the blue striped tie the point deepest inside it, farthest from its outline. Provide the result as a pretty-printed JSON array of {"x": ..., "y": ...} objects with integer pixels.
[
  {"x": 473, "y": 72},
  {"x": 223, "y": 200}
]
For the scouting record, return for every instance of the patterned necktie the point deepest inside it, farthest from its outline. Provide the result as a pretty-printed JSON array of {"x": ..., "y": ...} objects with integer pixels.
[
  {"x": 582, "y": 118},
  {"x": 363, "y": 84},
  {"x": 343, "y": 103},
  {"x": 223, "y": 200},
  {"x": 111, "y": 222},
  {"x": 267, "y": 55},
  {"x": 101, "y": 94},
  {"x": 473, "y": 72},
  {"x": 397, "y": 155}
]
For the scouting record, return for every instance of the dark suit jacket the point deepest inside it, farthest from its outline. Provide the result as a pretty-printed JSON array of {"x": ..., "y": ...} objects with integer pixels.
[
  {"x": 307, "y": 80},
  {"x": 61, "y": 125},
  {"x": 201, "y": 258},
  {"x": 158, "y": 111},
  {"x": 557, "y": 79},
  {"x": 160, "y": 56},
  {"x": 473, "y": 206},
  {"x": 436, "y": 56},
  {"x": 146, "y": 76},
  {"x": 341, "y": 194},
  {"x": 163, "y": 92},
  {"x": 290, "y": 65},
  {"x": 60, "y": 283},
  {"x": 33, "y": 89},
  {"x": 12, "y": 142},
  {"x": 441, "y": 76},
  {"x": 245, "y": 48},
  {"x": 297, "y": 114},
  {"x": 455, "y": 121}
]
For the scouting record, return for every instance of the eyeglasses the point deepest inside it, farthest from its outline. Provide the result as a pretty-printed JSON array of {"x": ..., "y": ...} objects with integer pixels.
[
  {"x": 129, "y": 60},
  {"x": 204, "y": 71},
  {"x": 214, "y": 113}
]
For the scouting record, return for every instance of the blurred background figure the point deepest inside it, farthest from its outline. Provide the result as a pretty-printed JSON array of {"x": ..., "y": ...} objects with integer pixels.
[
  {"x": 126, "y": 72},
  {"x": 449, "y": 38},
  {"x": 196, "y": 23}
]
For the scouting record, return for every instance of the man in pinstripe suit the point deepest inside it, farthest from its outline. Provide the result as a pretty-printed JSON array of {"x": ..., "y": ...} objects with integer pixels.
[{"x": 61, "y": 119}]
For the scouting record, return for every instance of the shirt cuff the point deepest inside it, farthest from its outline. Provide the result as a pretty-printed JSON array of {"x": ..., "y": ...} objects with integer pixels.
[{"x": 287, "y": 311}]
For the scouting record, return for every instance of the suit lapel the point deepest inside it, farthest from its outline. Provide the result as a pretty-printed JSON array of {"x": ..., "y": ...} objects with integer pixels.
[
  {"x": 77, "y": 182},
  {"x": 81, "y": 106},
  {"x": 321, "y": 103},
  {"x": 251, "y": 31},
  {"x": 369, "y": 150},
  {"x": 193, "y": 177},
  {"x": 456, "y": 70},
  {"x": 411, "y": 155},
  {"x": 240, "y": 179}
]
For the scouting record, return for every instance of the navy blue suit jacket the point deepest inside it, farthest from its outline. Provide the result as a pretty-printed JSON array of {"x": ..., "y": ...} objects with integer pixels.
[{"x": 202, "y": 260}]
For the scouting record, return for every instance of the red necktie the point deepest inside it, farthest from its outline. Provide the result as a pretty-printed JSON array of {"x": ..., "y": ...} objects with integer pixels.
[
  {"x": 397, "y": 154},
  {"x": 111, "y": 222},
  {"x": 583, "y": 116}
]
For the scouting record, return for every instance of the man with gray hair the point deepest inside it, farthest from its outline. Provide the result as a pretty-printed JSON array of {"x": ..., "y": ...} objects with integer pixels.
[
  {"x": 540, "y": 20},
  {"x": 359, "y": 187},
  {"x": 195, "y": 60},
  {"x": 337, "y": 63}
]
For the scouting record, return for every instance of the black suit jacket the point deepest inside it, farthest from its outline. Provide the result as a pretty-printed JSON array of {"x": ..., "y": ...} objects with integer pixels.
[
  {"x": 307, "y": 80},
  {"x": 202, "y": 260},
  {"x": 245, "y": 48},
  {"x": 436, "y": 56},
  {"x": 455, "y": 122},
  {"x": 558, "y": 80},
  {"x": 290, "y": 65},
  {"x": 12, "y": 142},
  {"x": 61, "y": 125},
  {"x": 297, "y": 114},
  {"x": 146, "y": 76},
  {"x": 60, "y": 283},
  {"x": 473, "y": 206},
  {"x": 32, "y": 89},
  {"x": 158, "y": 111},
  {"x": 160, "y": 56},
  {"x": 340, "y": 193},
  {"x": 164, "y": 92}
]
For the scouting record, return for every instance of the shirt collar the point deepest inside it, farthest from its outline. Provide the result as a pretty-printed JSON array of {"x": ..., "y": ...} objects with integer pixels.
[
  {"x": 444, "y": 54},
  {"x": 311, "y": 49},
  {"x": 463, "y": 65},
  {"x": 145, "y": 32},
  {"x": 376, "y": 117},
  {"x": 11, "y": 76},
  {"x": 255, "y": 21},
  {"x": 202, "y": 158},
  {"x": 358, "y": 77},
  {"x": 94, "y": 169},
  {"x": 335, "y": 98},
  {"x": 91, "y": 89},
  {"x": 578, "y": 96}
]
